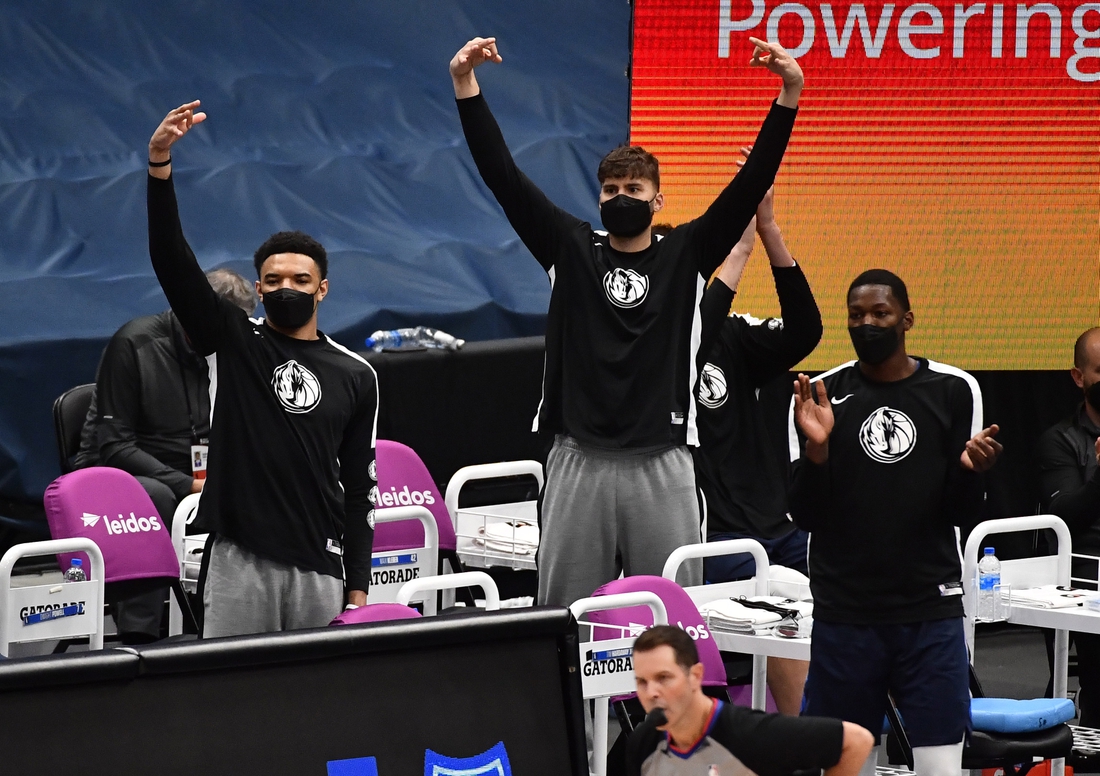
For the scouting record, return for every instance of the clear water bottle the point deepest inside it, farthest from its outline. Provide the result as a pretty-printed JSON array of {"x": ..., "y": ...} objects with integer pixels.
[
  {"x": 418, "y": 337},
  {"x": 989, "y": 581},
  {"x": 76, "y": 571}
]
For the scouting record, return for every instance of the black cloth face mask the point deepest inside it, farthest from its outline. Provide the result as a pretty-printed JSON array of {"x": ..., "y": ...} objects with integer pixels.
[
  {"x": 874, "y": 344},
  {"x": 625, "y": 216},
  {"x": 288, "y": 308}
]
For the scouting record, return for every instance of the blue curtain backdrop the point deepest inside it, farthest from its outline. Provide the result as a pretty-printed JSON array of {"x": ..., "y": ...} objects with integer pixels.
[{"x": 334, "y": 118}]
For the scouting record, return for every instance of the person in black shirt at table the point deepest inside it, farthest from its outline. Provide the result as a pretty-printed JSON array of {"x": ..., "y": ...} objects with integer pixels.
[
  {"x": 735, "y": 464},
  {"x": 291, "y": 478},
  {"x": 149, "y": 414},
  {"x": 622, "y": 329},
  {"x": 890, "y": 465},
  {"x": 1070, "y": 488},
  {"x": 701, "y": 736}
]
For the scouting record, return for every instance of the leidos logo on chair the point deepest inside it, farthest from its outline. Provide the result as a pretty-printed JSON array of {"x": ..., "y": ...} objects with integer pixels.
[
  {"x": 297, "y": 389},
  {"x": 123, "y": 525},
  {"x": 888, "y": 435},
  {"x": 625, "y": 287}
]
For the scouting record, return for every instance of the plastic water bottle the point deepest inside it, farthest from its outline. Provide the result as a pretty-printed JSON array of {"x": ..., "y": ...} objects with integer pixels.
[
  {"x": 418, "y": 337},
  {"x": 76, "y": 571},
  {"x": 989, "y": 577}
]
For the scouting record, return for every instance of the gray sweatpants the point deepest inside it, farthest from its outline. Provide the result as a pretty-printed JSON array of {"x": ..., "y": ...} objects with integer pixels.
[
  {"x": 245, "y": 593},
  {"x": 606, "y": 512}
]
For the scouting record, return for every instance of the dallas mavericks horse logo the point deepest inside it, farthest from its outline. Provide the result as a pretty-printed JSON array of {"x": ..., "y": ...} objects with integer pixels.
[
  {"x": 491, "y": 763},
  {"x": 712, "y": 387},
  {"x": 625, "y": 287},
  {"x": 296, "y": 387},
  {"x": 887, "y": 435}
]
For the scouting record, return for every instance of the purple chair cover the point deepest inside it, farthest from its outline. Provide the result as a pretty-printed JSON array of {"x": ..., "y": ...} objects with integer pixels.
[
  {"x": 404, "y": 479},
  {"x": 681, "y": 612},
  {"x": 111, "y": 508},
  {"x": 375, "y": 613}
]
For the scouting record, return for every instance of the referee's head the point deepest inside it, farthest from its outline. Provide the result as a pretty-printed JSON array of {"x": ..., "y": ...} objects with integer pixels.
[{"x": 668, "y": 674}]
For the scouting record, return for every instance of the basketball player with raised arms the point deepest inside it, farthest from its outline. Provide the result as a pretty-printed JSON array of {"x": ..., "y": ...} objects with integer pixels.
[
  {"x": 888, "y": 453},
  {"x": 621, "y": 334},
  {"x": 291, "y": 480}
]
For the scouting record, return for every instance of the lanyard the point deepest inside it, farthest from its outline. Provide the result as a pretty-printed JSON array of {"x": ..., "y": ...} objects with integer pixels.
[{"x": 179, "y": 347}]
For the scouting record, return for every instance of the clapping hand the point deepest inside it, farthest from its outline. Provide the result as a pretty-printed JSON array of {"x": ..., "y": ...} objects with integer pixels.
[{"x": 815, "y": 418}]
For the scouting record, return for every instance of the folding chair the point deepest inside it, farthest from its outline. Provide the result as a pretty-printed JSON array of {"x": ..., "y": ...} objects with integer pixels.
[
  {"x": 69, "y": 412},
  {"x": 392, "y": 568},
  {"x": 683, "y": 613},
  {"x": 1011, "y": 735},
  {"x": 189, "y": 550},
  {"x": 111, "y": 508},
  {"x": 759, "y": 584},
  {"x": 609, "y": 650},
  {"x": 46, "y": 612},
  {"x": 487, "y": 536}
]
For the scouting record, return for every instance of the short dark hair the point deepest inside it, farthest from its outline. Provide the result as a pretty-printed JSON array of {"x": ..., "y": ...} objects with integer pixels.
[
  {"x": 883, "y": 277},
  {"x": 669, "y": 636},
  {"x": 292, "y": 242},
  {"x": 630, "y": 162},
  {"x": 1081, "y": 346}
]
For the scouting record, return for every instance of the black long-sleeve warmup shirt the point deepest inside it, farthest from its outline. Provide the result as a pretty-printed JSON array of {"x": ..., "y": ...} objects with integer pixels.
[
  {"x": 882, "y": 509},
  {"x": 622, "y": 328},
  {"x": 735, "y": 464},
  {"x": 291, "y": 471}
]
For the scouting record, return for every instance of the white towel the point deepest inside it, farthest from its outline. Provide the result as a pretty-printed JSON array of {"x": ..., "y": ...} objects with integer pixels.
[
  {"x": 1051, "y": 597},
  {"x": 517, "y": 537}
]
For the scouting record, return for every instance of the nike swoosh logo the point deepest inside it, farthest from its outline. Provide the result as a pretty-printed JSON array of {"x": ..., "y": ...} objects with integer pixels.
[{"x": 841, "y": 401}]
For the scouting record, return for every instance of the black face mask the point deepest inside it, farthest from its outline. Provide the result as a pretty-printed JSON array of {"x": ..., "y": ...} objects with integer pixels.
[
  {"x": 625, "y": 216},
  {"x": 288, "y": 308},
  {"x": 874, "y": 344},
  {"x": 1092, "y": 396}
]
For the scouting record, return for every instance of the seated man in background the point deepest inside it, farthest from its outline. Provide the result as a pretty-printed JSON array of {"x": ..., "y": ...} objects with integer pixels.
[
  {"x": 736, "y": 467},
  {"x": 1070, "y": 488},
  {"x": 889, "y": 467},
  {"x": 702, "y": 735},
  {"x": 150, "y": 416}
]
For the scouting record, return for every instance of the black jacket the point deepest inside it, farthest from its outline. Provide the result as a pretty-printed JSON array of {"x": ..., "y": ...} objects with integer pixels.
[
  {"x": 151, "y": 402},
  {"x": 1070, "y": 487}
]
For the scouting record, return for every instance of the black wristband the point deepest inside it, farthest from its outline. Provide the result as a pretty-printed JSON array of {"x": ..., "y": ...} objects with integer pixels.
[{"x": 165, "y": 163}]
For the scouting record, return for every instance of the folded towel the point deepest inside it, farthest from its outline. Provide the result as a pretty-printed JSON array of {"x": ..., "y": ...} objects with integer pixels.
[
  {"x": 516, "y": 537},
  {"x": 1051, "y": 597}
]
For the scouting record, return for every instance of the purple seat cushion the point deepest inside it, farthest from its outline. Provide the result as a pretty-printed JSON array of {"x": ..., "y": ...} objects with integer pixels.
[
  {"x": 111, "y": 508},
  {"x": 403, "y": 480},
  {"x": 375, "y": 613},
  {"x": 682, "y": 612}
]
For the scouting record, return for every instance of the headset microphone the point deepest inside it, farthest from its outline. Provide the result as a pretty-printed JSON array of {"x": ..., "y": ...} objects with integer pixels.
[{"x": 657, "y": 716}]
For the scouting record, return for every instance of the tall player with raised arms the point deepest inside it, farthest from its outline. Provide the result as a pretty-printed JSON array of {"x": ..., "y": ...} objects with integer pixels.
[{"x": 621, "y": 335}]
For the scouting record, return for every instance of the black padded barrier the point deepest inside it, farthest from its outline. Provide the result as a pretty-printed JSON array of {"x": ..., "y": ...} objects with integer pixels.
[{"x": 308, "y": 702}]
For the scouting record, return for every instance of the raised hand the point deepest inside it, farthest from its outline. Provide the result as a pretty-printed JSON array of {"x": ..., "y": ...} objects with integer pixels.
[
  {"x": 815, "y": 418},
  {"x": 982, "y": 450},
  {"x": 176, "y": 124},
  {"x": 776, "y": 59},
  {"x": 476, "y": 52}
]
